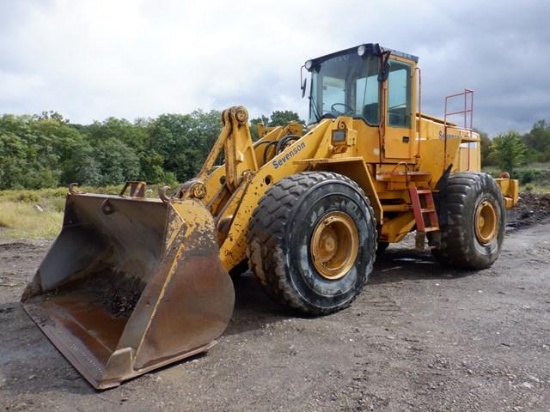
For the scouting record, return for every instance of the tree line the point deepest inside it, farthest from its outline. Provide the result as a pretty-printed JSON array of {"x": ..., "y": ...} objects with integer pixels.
[
  {"x": 512, "y": 149},
  {"x": 47, "y": 150}
]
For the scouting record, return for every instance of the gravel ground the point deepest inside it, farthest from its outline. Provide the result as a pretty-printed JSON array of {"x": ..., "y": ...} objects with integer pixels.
[{"x": 420, "y": 337}]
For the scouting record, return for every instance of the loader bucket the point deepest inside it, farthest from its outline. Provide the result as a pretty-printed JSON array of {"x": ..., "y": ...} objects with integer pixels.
[{"x": 130, "y": 285}]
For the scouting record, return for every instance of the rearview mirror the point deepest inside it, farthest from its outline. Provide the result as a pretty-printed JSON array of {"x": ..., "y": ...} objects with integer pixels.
[{"x": 303, "y": 82}]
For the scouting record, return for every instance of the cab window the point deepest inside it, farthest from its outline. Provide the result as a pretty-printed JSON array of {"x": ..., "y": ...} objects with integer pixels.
[{"x": 399, "y": 95}]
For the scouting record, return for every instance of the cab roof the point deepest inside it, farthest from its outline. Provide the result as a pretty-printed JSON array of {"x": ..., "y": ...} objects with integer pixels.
[{"x": 371, "y": 48}]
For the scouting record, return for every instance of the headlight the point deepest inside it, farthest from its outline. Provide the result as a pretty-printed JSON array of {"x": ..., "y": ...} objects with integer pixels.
[
  {"x": 362, "y": 50},
  {"x": 309, "y": 65}
]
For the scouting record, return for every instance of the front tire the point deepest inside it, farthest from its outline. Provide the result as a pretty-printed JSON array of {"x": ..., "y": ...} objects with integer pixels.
[
  {"x": 312, "y": 242},
  {"x": 473, "y": 235}
]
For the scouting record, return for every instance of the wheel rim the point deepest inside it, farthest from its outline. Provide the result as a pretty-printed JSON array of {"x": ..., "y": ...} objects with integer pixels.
[
  {"x": 486, "y": 222},
  {"x": 334, "y": 245}
]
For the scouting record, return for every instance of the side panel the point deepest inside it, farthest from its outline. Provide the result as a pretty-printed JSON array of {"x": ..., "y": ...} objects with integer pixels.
[
  {"x": 437, "y": 156},
  {"x": 469, "y": 157}
]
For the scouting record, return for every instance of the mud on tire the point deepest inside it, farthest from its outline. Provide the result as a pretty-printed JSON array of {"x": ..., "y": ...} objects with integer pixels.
[
  {"x": 312, "y": 242},
  {"x": 475, "y": 215}
]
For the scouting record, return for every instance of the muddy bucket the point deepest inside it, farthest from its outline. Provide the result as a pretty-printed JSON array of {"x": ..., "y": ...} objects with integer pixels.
[{"x": 130, "y": 285}]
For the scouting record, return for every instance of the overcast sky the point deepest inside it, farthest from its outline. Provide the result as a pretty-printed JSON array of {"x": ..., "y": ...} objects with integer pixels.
[{"x": 91, "y": 59}]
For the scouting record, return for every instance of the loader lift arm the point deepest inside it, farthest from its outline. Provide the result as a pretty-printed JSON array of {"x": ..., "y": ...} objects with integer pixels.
[{"x": 236, "y": 144}]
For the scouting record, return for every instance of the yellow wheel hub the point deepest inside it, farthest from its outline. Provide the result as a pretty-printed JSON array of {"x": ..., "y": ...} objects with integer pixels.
[
  {"x": 486, "y": 225},
  {"x": 334, "y": 245}
]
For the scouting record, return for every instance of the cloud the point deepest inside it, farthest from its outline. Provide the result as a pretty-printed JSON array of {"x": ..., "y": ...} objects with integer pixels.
[{"x": 93, "y": 59}]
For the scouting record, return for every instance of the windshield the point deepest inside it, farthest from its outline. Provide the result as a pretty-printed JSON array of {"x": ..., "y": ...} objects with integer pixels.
[{"x": 345, "y": 85}]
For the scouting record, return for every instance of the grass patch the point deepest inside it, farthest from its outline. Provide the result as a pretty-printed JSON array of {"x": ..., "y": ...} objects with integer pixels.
[
  {"x": 541, "y": 189},
  {"x": 32, "y": 214},
  {"x": 29, "y": 221},
  {"x": 38, "y": 214},
  {"x": 533, "y": 177}
]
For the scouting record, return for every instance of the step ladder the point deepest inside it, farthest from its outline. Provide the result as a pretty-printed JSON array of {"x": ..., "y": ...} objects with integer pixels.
[{"x": 425, "y": 214}]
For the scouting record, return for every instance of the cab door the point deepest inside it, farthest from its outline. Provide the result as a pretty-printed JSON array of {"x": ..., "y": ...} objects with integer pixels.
[{"x": 400, "y": 136}]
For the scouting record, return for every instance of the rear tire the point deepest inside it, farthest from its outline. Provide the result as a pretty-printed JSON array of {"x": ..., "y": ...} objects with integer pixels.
[
  {"x": 312, "y": 242},
  {"x": 473, "y": 235}
]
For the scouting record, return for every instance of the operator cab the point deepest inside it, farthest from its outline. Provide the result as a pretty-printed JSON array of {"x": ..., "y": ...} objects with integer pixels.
[{"x": 350, "y": 83}]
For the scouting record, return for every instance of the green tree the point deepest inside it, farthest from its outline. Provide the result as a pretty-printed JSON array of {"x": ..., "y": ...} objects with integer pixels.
[
  {"x": 35, "y": 145},
  {"x": 56, "y": 142},
  {"x": 283, "y": 117},
  {"x": 118, "y": 162},
  {"x": 509, "y": 151},
  {"x": 152, "y": 170},
  {"x": 53, "y": 115},
  {"x": 485, "y": 149},
  {"x": 133, "y": 135},
  {"x": 14, "y": 151},
  {"x": 84, "y": 168},
  {"x": 13, "y": 164},
  {"x": 538, "y": 141},
  {"x": 277, "y": 118},
  {"x": 182, "y": 141},
  {"x": 109, "y": 162}
]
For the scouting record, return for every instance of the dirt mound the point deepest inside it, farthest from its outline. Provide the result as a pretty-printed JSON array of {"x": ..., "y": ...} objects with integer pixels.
[{"x": 532, "y": 208}]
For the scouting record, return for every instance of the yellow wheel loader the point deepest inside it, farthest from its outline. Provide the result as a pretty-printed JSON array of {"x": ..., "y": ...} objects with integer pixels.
[{"x": 132, "y": 283}]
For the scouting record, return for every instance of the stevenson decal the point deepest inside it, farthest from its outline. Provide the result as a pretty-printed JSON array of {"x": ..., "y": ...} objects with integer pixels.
[{"x": 279, "y": 162}]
